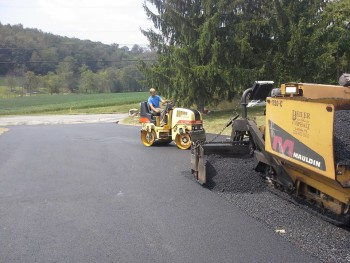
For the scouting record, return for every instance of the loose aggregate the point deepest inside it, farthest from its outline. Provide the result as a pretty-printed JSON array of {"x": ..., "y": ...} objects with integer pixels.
[
  {"x": 235, "y": 180},
  {"x": 233, "y": 174},
  {"x": 342, "y": 136}
]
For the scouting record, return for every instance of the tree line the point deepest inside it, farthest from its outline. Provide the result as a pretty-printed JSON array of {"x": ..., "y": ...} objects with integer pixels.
[
  {"x": 35, "y": 60},
  {"x": 66, "y": 79},
  {"x": 209, "y": 50}
]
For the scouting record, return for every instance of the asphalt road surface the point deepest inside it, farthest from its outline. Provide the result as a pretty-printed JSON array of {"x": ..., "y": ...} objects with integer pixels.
[{"x": 94, "y": 193}]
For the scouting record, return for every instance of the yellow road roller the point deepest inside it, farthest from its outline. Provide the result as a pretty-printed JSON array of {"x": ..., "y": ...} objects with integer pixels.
[{"x": 179, "y": 122}]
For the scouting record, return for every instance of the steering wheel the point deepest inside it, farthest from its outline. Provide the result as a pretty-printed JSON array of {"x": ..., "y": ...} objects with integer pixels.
[{"x": 168, "y": 102}]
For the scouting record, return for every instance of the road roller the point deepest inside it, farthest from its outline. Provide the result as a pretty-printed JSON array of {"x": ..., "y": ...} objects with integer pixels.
[
  {"x": 303, "y": 148},
  {"x": 179, "y": 122}
]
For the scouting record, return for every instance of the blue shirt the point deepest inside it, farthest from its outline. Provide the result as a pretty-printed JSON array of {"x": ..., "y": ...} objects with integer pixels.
[{"x": 154, "y": 101}]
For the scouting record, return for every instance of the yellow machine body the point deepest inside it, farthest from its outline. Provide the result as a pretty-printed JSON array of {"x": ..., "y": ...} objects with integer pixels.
[
  {"x": 298, "y": 147},
  {"x": 300, "y": 135},
  {"x": 180, "y": 122}
]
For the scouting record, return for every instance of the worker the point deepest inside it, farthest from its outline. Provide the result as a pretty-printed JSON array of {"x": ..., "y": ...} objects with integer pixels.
[{"x": 154, "y": 103}]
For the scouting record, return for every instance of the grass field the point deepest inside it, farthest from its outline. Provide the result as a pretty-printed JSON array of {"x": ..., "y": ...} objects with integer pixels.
[{"x": 72, "y": 103}]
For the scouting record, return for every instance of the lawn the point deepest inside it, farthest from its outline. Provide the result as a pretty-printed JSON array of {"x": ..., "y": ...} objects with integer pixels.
[
  {"x": 217, "y": 118},
  {"x": 71, "y": 103}
]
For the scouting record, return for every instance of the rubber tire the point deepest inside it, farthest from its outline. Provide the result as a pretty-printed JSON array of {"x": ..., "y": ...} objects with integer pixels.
[
  {"x": 148, "y": 141},
  {"x": 179, "y": 141}
]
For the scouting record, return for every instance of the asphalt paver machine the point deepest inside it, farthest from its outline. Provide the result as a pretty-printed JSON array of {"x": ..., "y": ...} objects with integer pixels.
[{"x": 303, "y": 148}]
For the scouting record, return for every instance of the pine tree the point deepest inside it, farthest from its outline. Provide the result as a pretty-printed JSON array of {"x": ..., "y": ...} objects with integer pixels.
[
  {"x": 186, "y": 39},
  {"x": 211, "y": 50}
]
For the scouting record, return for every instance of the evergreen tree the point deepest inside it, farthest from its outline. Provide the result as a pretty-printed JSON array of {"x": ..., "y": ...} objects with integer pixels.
[
  {"x": 210, "y": 50},
  {"x": 185, "y": 70}
]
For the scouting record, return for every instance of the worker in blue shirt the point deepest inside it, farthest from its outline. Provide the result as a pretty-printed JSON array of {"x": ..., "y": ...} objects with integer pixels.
[{"x": 154, "y": 102}]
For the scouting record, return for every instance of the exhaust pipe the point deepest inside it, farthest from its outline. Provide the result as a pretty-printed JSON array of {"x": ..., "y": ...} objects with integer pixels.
[{"x": 244, "y": 102}]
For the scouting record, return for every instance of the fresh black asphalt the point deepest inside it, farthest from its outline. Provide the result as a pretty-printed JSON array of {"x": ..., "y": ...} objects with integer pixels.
[{"x": 94, "y": 193}]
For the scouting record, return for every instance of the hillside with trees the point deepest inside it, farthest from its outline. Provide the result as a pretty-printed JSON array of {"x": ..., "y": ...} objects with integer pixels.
[
  {"x": 201, "y": 51},
  {"x": 36, "y": 60},
  {"x": 209, "y": 50}
]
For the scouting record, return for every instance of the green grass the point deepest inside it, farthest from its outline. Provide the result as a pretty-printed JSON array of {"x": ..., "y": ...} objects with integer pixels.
[
  {"x": 216, "y": 120},
  {"x": 72, "y": 103},
  {"x": 2, "y": 80},
  {"x": 3, "y": 91}
]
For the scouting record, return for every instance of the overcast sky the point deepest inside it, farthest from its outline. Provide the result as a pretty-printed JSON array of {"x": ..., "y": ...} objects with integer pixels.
[{"x": 107, "y": 21}]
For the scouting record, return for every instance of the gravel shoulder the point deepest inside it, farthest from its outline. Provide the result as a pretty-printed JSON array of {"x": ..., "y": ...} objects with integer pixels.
[
  {"x": 236, "y": 181},
  {"x": 61, "y": 119}
]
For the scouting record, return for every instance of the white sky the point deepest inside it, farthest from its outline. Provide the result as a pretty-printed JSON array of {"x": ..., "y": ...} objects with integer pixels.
[{"x": 107, "y": 21}]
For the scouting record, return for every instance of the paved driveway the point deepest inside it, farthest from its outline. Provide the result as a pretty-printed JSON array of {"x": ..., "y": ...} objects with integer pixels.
[{"x": 93, "y": 193}]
